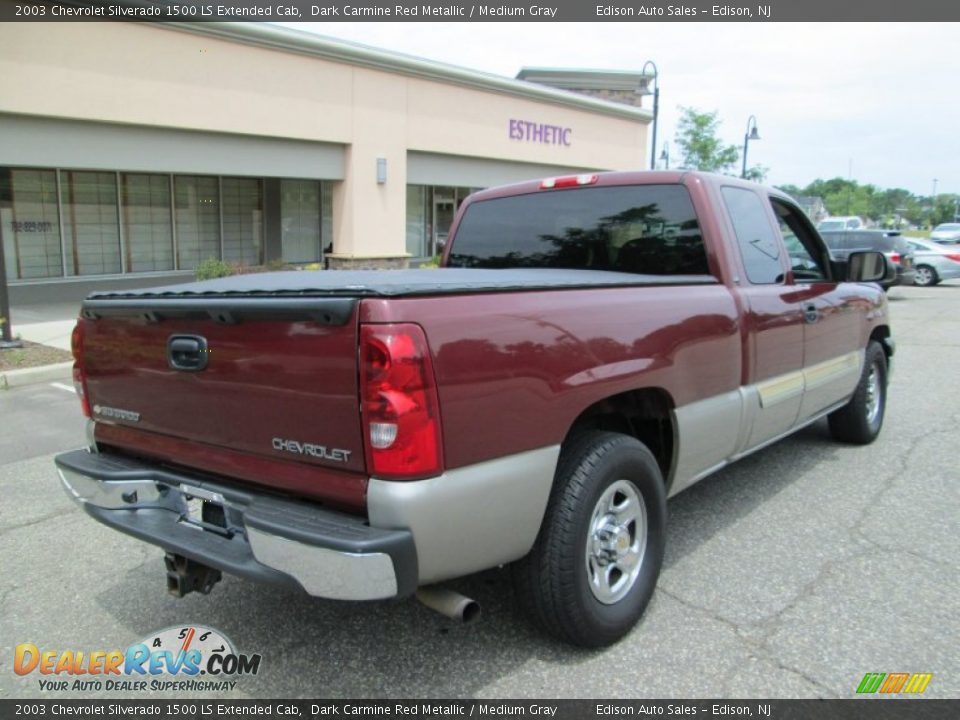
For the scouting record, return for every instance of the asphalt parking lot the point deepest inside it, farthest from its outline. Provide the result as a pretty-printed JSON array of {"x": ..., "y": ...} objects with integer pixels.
[{"x": 790, "y": 574}]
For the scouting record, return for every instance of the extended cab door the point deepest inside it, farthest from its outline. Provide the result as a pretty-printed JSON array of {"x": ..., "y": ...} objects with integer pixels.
[
  {"x": 772, "y": 330},
  {"x": 832, "y": 311}
]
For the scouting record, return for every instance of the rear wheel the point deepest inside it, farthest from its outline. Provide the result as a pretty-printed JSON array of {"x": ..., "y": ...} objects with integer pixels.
[
  {"x": 925, "y": 276},
  {"x": 860, "y": 420},
  {"x": 596, "y": 560}
]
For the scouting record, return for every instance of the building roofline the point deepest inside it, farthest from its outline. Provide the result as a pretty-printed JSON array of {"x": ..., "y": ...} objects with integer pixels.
[
  {"x": 297, "y": 41},
  {"x": 585, "y": 78}
]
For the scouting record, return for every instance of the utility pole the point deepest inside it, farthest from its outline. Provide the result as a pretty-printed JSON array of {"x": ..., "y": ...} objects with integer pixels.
[{"x": 933, "y": 204}]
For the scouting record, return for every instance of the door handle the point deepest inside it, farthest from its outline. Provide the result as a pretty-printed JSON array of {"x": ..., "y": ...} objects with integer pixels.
[
  {"x": 810, "y": 313},
  {"x": 187, "y": 352}
]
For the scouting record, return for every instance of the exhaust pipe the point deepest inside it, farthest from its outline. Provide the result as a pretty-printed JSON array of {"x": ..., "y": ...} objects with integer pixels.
[{"x": 452, "y": 604}]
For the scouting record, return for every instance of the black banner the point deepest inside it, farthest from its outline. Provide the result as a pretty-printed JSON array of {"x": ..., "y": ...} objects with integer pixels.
[
  {"x": 560, "y": 709},
  {"x": 496, "y": 10}
]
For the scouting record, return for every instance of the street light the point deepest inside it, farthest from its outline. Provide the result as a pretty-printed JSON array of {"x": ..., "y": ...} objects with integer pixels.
[
  {"x": 645, "y": 90},
  {"x": 665, "y": 156},
  {"x": 750, "y": 134},
  {"x": 6, "y": 334}
]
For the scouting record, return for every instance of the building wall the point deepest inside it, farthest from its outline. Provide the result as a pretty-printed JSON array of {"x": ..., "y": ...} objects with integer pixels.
[{"x": 156, "y": 76}]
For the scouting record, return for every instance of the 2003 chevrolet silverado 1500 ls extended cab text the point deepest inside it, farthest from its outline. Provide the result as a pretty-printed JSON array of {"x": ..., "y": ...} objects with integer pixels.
[{"x": 592, "y": 345}]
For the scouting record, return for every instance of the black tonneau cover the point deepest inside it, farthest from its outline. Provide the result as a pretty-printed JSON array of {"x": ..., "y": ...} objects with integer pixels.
[{"x": 392, "y": 283}]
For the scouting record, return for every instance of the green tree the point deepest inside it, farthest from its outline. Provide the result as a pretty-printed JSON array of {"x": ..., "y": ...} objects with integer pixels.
[
  {"x": 699, "y": 145},
  {"x": 943, "y": 209},
  {"x": 757, "y": 173}
]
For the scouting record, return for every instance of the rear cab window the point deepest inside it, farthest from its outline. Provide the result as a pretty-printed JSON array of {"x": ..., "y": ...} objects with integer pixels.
[{"x": 646, "y": 229}]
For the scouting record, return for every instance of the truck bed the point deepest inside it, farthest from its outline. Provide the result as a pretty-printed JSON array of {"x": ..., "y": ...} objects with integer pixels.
[{"x": 396, "y": 283}]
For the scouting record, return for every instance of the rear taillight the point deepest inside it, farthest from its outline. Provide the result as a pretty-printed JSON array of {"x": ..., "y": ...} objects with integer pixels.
[
  {"x": 894, "y": 257},
  {"x": 398, "y": 397},
  {"x": 79, "y": 373},
  {"x": 955, "y": 258}
]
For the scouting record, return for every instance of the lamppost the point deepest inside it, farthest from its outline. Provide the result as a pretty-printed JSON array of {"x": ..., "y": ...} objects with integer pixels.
[
  {"x": 6, "y": 334},
  {"x": 645, "y": 90},
  {"x": 665, "y": 156},
  {"x": 750, "y": 134}
]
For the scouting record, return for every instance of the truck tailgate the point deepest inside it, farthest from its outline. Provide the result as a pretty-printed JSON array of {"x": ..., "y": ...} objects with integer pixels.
[{"x": 279, "y": 382}]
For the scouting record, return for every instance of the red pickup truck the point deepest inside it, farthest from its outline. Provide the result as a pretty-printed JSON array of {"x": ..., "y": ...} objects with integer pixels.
[{"x": 591, "y": 346}]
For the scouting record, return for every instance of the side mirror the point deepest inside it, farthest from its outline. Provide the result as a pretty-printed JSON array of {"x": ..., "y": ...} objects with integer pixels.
[{"x": 868, "y": 266}]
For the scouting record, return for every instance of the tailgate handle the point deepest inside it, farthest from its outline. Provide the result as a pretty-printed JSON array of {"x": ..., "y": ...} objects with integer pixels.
[{"x": 187, "y": 352}]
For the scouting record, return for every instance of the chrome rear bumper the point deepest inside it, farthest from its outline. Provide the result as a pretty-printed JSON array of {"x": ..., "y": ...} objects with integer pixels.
[{"x": 324, "y": 552}]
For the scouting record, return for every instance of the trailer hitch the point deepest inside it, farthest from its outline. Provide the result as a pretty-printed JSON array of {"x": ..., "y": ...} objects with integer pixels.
[{"x": 185, "y": 576}]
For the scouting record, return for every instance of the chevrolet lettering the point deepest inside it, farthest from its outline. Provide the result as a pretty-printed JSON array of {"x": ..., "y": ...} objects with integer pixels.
[
  {"x": 116, "y": 413},
  {"x": 317, "y": 451},
  {"x": 591, "y": 345}
]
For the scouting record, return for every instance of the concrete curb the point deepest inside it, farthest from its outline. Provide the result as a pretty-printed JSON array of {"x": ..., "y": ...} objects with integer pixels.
[{"x": 29, "y": 376}]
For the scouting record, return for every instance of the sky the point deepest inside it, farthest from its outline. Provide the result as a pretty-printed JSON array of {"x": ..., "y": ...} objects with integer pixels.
[{"x": 877, "y": 102}]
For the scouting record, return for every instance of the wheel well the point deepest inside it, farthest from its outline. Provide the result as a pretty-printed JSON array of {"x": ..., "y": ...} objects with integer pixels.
[
  {"x": 881, "y": 335},
  {"x": 643, "y": 414}
]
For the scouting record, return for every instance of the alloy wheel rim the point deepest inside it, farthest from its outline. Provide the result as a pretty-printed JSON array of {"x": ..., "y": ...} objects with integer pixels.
[
  {"x": 873, "y": 395},
  {"x": 616, "y": 542}
]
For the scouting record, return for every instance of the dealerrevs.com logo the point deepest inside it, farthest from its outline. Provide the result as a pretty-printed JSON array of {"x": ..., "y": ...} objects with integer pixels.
[{"x": 177, "y": 659}]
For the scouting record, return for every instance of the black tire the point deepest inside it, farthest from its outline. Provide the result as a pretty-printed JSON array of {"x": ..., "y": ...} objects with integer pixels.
[
  {"x": 553, "y": 582},
  {"x": 858, "y": 421},
  {"x": 925, "y": 276}
]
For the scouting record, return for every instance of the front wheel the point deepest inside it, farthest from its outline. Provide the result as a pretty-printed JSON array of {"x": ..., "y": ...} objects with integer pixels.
[
  {"x": 925, "y": 276},
  {"x": 597, "y": 557},
  {"x": 860, "y": 420}
]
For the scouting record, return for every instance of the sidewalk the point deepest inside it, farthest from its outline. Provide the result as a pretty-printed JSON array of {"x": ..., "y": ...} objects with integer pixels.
[{"x": 54, "y": 333}]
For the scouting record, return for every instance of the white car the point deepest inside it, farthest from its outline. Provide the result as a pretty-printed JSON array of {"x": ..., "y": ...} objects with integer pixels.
[
  {"x": 946, "y": 233},
  {"x": 842, "y": 222}
]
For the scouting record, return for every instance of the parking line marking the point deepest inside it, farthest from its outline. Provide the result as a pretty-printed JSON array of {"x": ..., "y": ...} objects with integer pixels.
[{"x": 61, "y": 386}]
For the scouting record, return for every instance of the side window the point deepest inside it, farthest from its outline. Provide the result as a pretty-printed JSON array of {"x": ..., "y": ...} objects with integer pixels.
[
  {"x": 807, "y": 259},
  {"x": 759, "y": 246}
]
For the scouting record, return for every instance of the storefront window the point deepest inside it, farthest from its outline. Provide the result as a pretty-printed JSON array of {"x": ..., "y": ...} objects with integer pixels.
[
  {"x": 31, "y": 224},
  {"x": 243, "y": 220},
  {"x": 107, "y": 223},
  {"x": 431, "y": 210},
  {"x": 326, "y": 216},
  {"x": 417, "y": 230},
  {"x": 90, "y": 227},
  {"x": 300, "y": 220},
  {"x": 147, "y": 226},
  {"x": 197, "y": 216}
]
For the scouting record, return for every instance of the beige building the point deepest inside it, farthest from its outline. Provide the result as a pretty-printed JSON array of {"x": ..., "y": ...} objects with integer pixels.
[{"x": 132, "y": 152}]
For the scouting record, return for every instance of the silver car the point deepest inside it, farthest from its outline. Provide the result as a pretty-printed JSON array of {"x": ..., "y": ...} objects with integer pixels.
[
  {"x": 946, "y": 233},
  {"x": 934, "y": 262}
]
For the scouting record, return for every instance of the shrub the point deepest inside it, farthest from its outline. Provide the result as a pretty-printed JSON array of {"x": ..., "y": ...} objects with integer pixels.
[{"x": 212, "y": 268}]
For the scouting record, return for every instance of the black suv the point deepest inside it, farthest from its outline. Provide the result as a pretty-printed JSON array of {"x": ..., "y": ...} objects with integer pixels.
[{"x": 891, "y": 244}]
